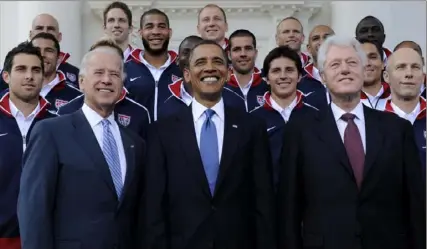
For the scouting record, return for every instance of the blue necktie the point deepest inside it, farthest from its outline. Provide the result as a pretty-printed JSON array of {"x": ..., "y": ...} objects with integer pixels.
[
  {"x": 111, "y": 154},
  {"x": 209, "y": 149}
]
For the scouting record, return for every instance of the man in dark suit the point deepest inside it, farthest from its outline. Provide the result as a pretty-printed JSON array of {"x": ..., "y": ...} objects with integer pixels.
[
  {"x": 84, "y": 199},
  {"x": 208, "y": 175},
  {"x": 351, "y": 175}
]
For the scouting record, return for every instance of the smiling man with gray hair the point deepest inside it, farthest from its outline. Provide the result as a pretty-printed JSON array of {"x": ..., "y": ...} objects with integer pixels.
[
  {"x": 350, "y": 174},
  {"x": 81, "y": 171}
]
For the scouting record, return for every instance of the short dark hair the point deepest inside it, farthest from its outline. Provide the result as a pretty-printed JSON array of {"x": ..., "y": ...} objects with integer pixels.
[
  {"x": 212, "y": 6},
  {"x": 282, "y": 52},
  {"x": 418, "y": 47},
  {"x": 153, "y": 12},
  {"x": 23, "y": 48},
  {"x": 376, "y": 44},
  {"x": 367, "y": 18},
  {"x": 118, "y": 5},
  {"x": 291, "y": 18},
  {"x": 193, "y": 40},
  {"x": 207, "y": 42},
  {"x": 48, "y": 36},
  {"x": 241, "y": 33},
  {"x": 107, "y": 43}
]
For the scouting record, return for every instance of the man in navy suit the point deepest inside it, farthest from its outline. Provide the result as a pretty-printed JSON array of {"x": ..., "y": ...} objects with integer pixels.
[
  {"x": 84, "y": 199},
  {"x": 208, "y": 176},
  {"x": 350, "y": 175}
]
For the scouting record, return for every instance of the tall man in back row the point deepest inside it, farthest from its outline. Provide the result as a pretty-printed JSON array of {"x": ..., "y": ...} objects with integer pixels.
[
  {"x": 210, "y": 184},
  {"x": 150, "y": 71}
]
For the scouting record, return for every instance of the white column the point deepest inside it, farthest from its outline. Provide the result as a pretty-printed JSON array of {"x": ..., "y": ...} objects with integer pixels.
[
  {"x": 68, "y": 14},
  {"x": 402, "y": 20}
]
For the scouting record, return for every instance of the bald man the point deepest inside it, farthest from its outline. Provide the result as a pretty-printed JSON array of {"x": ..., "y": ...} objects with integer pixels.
[
  {"x": 404, "y": 73},
  {"x": 415, "y": 46},
  {"x": 48, "y": 24},
  {"x": 311, "y": 84}
]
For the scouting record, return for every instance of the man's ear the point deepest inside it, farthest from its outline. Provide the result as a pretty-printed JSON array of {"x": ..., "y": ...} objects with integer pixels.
[
  {"x": 6, "y": 77},
  {"x": 187, "y": 76}
]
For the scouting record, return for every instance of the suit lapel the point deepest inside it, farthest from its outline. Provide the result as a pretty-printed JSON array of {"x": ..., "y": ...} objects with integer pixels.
[
  {"x": 229, "y": 145},
  {"x": 87, "y": 140},
  {"x": 328, "y": 132},
  {"x": 187, "y": 136},
  {"x": 129, "y": 149},
  {"x": 374, "y": 139}
]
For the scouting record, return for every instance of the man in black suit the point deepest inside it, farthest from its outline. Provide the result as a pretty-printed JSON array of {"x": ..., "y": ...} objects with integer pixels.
[
  {"x": 351, "y": 175},
  {"x": 208, "y": 175},
  {"x": 85, "y": 199}
]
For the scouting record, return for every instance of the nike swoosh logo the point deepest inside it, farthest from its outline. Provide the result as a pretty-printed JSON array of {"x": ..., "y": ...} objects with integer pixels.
[
  {"x": 4, "y": 134},
  {"x": 307, "y": 94},
  {"x": 271, "y": 128},
  {"x": 133, "y": 79}
]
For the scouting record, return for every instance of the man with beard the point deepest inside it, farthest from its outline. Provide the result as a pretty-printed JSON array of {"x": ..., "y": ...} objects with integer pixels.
[
  {"x": 118, "y": 26},
  {"x": 245, "y": 80},
  {"x": 371, "y": 28},
  {"x": 311, "y": 84},
  {"x": 56, "y": 89},
  {"x": 20, "y": 108},
  {"x": 181, "y": 92},
  {"x": 404, "y": 73},
  {"x": 150, "y": 71},
  {"x": 208, "y": 179},
  {"x": 415, "y": 46},
  {"x": 290, "y": 32},
  {"x": 212, "y": 24},
  {"x": 374, "y": 92}
]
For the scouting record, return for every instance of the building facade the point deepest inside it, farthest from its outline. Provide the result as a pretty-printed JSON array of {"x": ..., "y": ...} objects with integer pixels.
[{"x": 81, "y": 21}]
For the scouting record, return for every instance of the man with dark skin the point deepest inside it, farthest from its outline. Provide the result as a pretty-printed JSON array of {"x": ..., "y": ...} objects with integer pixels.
[{"x": 371, "y": 28}]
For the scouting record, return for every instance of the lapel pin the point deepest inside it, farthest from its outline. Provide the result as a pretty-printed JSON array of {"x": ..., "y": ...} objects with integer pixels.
[
  {"x": 131, "y": 146},
  {"x": 234, "y": 126}
]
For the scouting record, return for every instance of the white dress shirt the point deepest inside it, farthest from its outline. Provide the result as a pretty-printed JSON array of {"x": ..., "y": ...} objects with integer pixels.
[
  {"x": 375, "y": 102},
  {"x": 411, "y": 117},
  {"x": 185, "y": 96},
  {"x": 95, "y": 120},
  {"x": 48, "y": 87},
  {"x": 156, "y": 72},
  {"x": 359, "y": 120},
  {"x": 24, "y": 123},
  {"x": 284, "y": 112},
  {"x": 218, "y": 118}
]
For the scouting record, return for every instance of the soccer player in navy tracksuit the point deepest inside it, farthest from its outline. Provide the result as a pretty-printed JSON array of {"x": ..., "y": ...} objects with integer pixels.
[
  {"x": 150, "y": 71},
  {"x": 20, "y": 108},
  {"x": 127, "y": 113},
  {"x": 56, "y": 89},
  {"x": 404, "y": 74},
  {"x": 284, "y": 102},
  {"x": 246, "y": 79},
  {"x": 180, "y": 91}
]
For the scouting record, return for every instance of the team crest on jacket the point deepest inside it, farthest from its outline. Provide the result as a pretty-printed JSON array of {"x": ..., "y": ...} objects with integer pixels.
[
  {"x": 260, "y": 99},
  {"x": 59, "y": 103},
  {"x": 174, "y": 78},
  {"x": 71, "y": 77},
  {"x": 124, "y": 119}
]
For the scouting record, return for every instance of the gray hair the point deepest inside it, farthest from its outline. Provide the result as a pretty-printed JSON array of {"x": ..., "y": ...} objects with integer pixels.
[
  {"x": 106, "y": 50},
  {"x": 340, "y": 41}
]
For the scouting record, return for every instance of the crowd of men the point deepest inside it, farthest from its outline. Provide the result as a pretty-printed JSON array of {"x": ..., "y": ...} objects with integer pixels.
[{"x": 146, "y": 148}]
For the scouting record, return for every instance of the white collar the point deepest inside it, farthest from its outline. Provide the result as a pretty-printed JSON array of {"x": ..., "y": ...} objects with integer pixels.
[
  {"x": 198, "y": 109},
  {"x": 357, "y": 111},
  {"x": 16, "y": 112},
  {"x": 93, "y": 117}
]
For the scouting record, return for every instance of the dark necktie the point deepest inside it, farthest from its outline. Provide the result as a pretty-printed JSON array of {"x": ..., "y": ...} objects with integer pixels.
[{"x": 354, "y": 147}]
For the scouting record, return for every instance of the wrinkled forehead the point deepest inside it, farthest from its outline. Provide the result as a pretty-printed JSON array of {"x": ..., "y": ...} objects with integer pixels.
[
  {"x": 45, "y": 21},
  {"x": 207, "y": 52}
]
